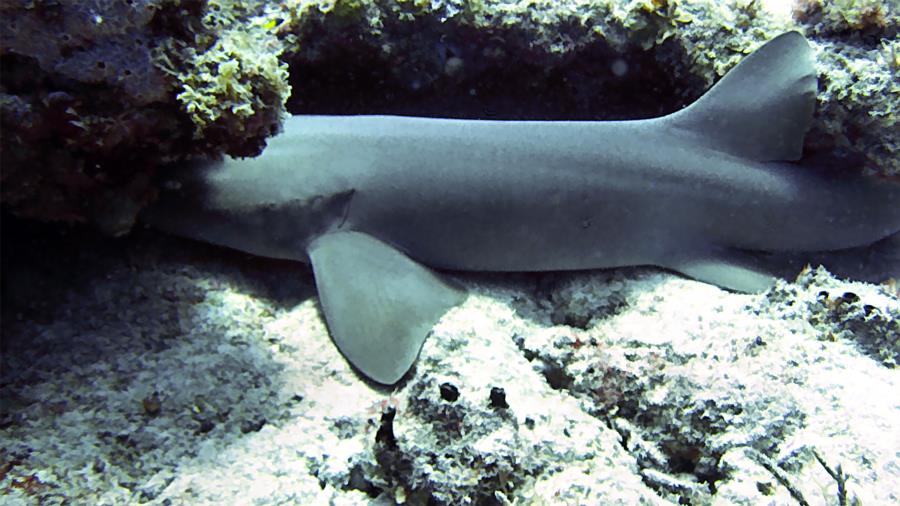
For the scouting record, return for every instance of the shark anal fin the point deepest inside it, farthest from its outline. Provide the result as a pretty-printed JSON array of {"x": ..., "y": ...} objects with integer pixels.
[
  {"x": 761, "y": 109},
  {"x": 379, "y": 304}
]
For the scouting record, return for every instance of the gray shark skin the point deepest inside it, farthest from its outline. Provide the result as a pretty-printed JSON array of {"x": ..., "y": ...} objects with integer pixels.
[{"x": 374, "y": 202}]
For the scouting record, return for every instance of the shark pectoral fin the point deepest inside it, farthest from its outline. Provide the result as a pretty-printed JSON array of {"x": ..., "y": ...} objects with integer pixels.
[
  {"x": 730, "y": 274},
  {"x": 761, "y": 109},
  {"x": 378, "y": 303}
]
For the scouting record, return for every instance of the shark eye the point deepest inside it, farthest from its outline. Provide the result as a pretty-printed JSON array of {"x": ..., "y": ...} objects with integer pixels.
[{"x": 619, "y": 67}]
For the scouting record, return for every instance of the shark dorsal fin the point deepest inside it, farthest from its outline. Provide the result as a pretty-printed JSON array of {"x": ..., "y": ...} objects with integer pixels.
[
  {"x": 761, "y": 109},
  {"x": 379, "y": 304}
]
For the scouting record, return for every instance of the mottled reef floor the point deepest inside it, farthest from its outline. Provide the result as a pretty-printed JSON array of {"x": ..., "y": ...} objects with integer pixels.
[{"x": 161, "y": 371}]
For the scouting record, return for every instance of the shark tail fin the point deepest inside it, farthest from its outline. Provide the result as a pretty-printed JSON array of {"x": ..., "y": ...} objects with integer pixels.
[{"x": 761, "y": 109}]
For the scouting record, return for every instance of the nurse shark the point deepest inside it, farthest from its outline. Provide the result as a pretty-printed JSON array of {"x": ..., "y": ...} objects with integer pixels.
[{"x": 375, "y": 203}]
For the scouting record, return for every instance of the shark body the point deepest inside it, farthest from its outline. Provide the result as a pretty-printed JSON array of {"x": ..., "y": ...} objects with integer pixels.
[{"x": 374, "y": 202}]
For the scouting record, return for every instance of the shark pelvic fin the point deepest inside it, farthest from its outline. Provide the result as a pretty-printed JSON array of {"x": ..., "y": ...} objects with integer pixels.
[
  {"x": 378, "y": 303},
  {"x": 734, "y": 272},
  {"x": 761, "y": 109}
]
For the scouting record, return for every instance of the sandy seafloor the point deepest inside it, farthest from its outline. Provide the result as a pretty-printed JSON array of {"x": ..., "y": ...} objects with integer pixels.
[{"x": 161, "y": 371}]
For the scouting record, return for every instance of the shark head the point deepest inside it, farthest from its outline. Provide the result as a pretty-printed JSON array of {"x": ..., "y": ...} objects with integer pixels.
[{"x": 209, "y": 201}]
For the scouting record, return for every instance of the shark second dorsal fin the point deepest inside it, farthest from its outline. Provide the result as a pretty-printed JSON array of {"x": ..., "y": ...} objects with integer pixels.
[
  {"x": 379, "y": 304},
  {"x": 761, "y": 109}
]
